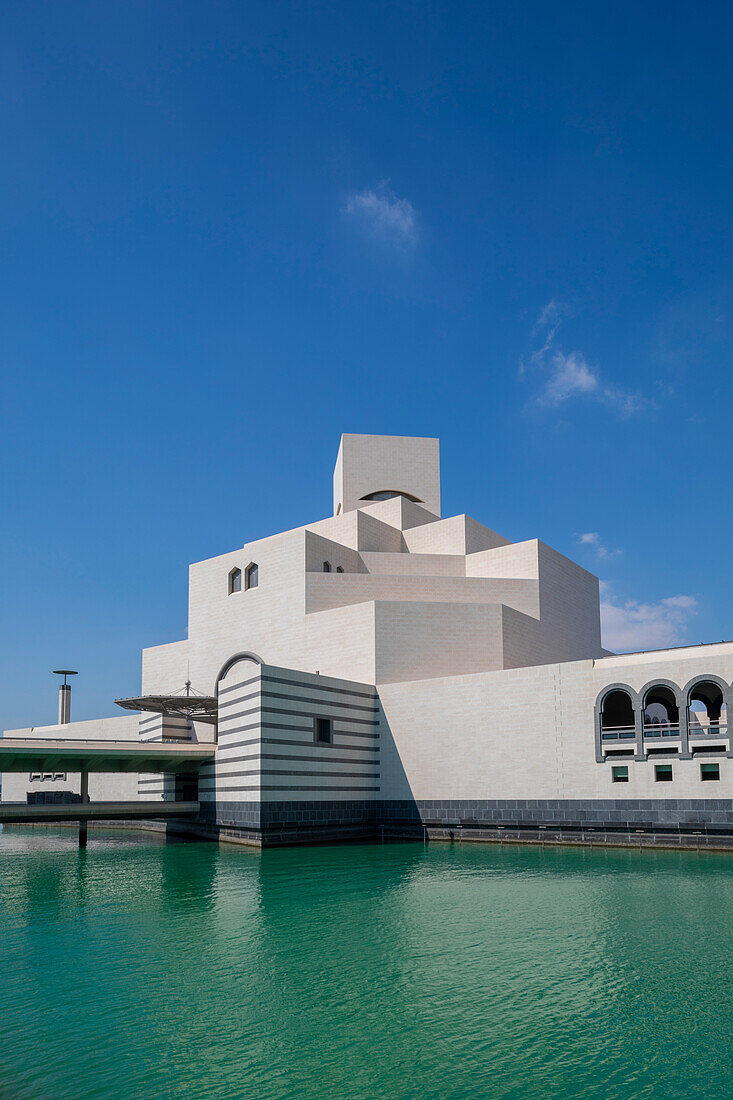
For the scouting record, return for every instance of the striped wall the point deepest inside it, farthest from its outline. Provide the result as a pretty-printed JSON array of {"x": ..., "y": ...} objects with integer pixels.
[
  {"x": 156, "y": 727},
  {"x": 235, "y": 774},
  {"x": 294, "y": 766},
  {"x": 267, "y": 754}
]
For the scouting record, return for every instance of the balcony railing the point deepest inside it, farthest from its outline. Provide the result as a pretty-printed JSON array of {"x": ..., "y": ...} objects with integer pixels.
[
  {"x": 618, "y": 733},
  {"x": 657, "y": 729},
  {"x": 696, "y": 730}
]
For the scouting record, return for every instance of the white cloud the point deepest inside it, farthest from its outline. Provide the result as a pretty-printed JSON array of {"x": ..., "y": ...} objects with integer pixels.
[
  {"x": 593, "y": 539},
  {"x": 569, "y": 375},
  {"x": 550, "y": 316},
  {"x": 630, "y": 626},
  {"x": 384, "y": 217}
]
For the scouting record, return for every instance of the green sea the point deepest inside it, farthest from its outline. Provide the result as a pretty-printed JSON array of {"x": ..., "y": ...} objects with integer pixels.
[{"x": 150, "y": 968}]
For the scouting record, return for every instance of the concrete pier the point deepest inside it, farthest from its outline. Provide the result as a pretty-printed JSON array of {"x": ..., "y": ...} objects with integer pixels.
[{"x": 84, "y": 802}]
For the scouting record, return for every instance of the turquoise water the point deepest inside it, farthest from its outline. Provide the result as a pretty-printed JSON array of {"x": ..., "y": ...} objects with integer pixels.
[{"x": 141, "y": 968}]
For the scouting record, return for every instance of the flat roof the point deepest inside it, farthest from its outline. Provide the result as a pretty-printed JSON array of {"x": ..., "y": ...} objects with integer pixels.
[{"x": 37, "y": 754}]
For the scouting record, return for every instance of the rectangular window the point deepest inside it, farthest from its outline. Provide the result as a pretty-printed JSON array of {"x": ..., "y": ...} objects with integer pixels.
[
  {"x": 663, "y": 773},
  {"x": 709, "y": 771},
  {"x": 324, "y": 731},
  {"x": 620, "y": 773}
]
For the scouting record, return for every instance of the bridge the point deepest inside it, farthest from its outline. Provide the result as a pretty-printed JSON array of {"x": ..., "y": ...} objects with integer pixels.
[
  {"x": 36, "y": 754},
  {"x": 19, "y": 813}
]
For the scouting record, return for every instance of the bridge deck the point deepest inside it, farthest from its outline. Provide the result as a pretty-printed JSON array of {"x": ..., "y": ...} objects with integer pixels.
[
  {"x": 36, "y": 754},
  {"x": 19, "y": 813}
]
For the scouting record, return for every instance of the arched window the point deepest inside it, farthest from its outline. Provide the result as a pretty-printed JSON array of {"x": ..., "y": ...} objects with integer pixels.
[
  {"x": 235, "y": 581},
  {"x": 389, "y": 494},
  {"x": 661, "y": 713},
  {"x": 326, "y": 567},
  {"x": 707, "y": 710},
  {"x": 617, "y": 716},
  {"x": 251, "y": 576},
  {"x": 339, "y": 568}
]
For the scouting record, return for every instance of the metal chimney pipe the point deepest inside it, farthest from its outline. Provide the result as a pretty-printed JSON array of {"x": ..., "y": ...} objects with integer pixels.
[
  {"x": 64, "y": 704},
  {"x": 64, "y": 695}
]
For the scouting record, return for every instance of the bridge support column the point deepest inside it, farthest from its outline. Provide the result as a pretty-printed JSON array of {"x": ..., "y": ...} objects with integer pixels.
[{"x": 85, "y": 798}]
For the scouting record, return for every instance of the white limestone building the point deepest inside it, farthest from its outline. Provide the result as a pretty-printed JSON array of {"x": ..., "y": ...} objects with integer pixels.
[{"x": 388, "y": 668}]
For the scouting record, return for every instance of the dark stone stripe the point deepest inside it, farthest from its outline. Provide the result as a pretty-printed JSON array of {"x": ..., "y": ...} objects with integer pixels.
[
  {"x": 236, "y": 744},
  {"x": 318, "y": 687},
  {"x": 292, "y": 729},
  {"x": 318, "y": 773},
  {"x": 238, "y": 729},
  {"x": 213, "y": 790},
  {"x": 239, "y": 699},
  {"x": 241, "y": 684},
  {"x": 222, "y": 759},
  {"x": 295, "y": 787},
  {"x": 233, "y": 760},
  {"x": 237, "y": 774},
  {"x": 354, "y": 733},
  {"x": 317, "y": 702},
  {"x": 318, "y": 759},
  {"x": 240, "y": 714},
  {"x": 309, "y": 730},
  {"x": 315, "y": 744},
  {"x": 301, "y": 773},
  {"x": 347, "y": 748},
  {"x": 299, "y": 714}
]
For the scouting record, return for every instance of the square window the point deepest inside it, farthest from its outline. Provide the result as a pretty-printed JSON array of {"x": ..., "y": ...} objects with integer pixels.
[
  {"x": 709, "y": 771},
  {"x": 324, "y": 731},
  {"x": 663, "y": 773},
  {"x": 620, "y": 773}
]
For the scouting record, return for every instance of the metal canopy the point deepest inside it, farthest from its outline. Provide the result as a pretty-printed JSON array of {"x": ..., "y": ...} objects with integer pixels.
[{"x": 185, "y": 704}]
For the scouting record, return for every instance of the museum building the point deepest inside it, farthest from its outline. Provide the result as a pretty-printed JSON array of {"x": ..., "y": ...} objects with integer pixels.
[{"x": 386, "y": 668}]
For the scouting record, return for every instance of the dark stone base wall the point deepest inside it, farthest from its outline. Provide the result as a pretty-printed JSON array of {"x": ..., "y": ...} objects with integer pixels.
[
  {"x": 612, "y": 820},
  {"x": 683, "y": 813},
  {"x": 238, "y": 815}
]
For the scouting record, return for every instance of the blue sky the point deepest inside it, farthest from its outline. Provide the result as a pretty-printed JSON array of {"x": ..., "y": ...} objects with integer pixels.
[{"x": 231, "y": 231}]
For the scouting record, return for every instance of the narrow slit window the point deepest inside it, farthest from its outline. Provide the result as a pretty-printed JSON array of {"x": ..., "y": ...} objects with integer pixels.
[
  {"x": 324, "y": 731},
  {"x": 620, "y": 773},
  {"x": 235, "y": 581},
  {"x": 252, "y": 576},
  {"x": 709, "y": 772},
  {"x": 326, "y": 567}
]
